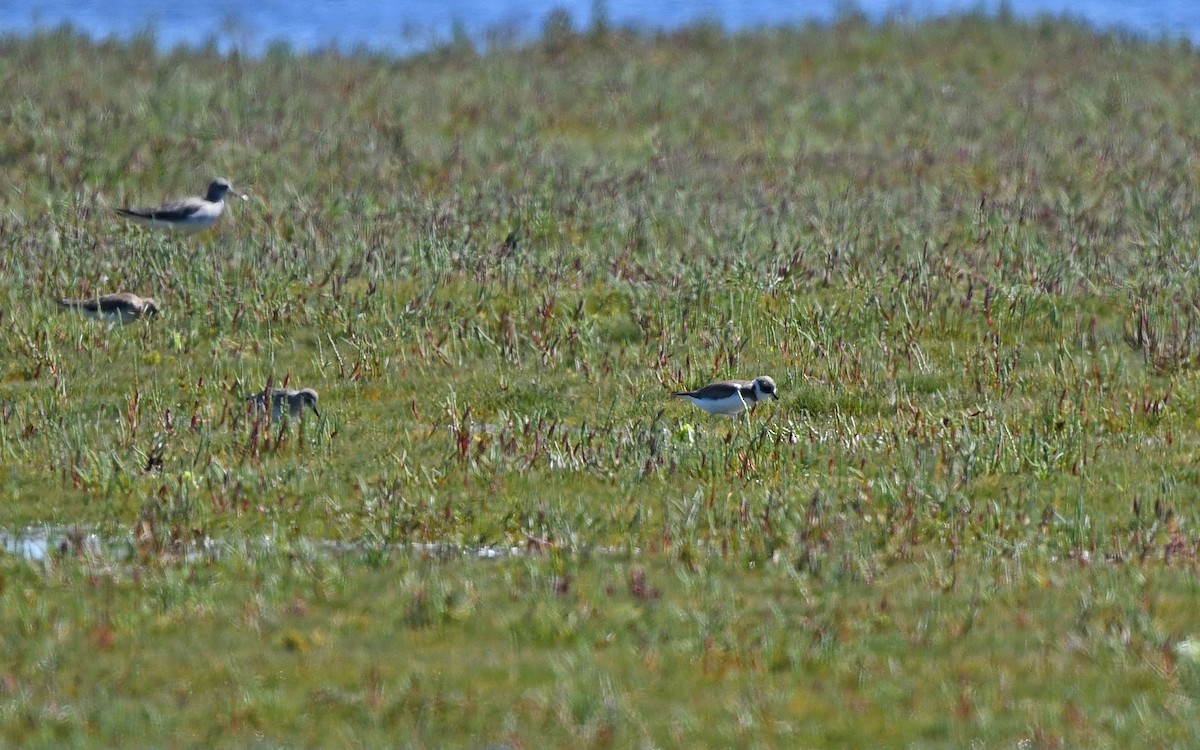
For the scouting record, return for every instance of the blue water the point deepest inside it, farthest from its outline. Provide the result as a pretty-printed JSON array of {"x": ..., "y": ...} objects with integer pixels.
[{"x": 411, "y": 25}]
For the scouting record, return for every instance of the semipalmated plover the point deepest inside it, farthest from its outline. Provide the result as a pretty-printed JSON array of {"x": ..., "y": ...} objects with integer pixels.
[
  {"x": 186, "y": 214},
  {"x": 730, "y": 397},
  {"x": 119, "y": 308},
  {"x": 295, "y": 400}
]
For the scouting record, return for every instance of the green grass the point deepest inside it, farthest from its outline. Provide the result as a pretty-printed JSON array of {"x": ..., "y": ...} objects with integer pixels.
[{"x": 965, "y": 249}]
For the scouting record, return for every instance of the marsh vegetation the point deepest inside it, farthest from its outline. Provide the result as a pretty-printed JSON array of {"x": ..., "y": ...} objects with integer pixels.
[{"x": 965, "y": 250}]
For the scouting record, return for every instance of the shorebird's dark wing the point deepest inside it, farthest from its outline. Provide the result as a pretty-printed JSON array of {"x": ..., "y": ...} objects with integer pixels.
[
  {"x": 179, "y": 210},
  {"x": 716, "y": 391},
  {"x": 264, "y": 397},
  {"x": 120, "y": 302}
]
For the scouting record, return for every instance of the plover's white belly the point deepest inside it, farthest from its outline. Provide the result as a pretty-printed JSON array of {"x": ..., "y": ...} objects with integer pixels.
[
  {"x": 294, "y": 408},
  {"x": 730, "y": 405},
  {"x": 118, "y": 318},
  {"x": 112, "y": 317},
  {"x": 194, "y": 223}
]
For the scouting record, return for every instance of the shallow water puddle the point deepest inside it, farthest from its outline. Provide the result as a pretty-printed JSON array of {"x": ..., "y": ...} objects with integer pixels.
[{"x": 39, "y": 543}]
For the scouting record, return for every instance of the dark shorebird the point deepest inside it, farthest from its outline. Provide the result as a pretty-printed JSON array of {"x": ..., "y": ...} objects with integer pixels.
[
  {"x": 730, "y": 397},
  {"x": 186, "y": 214},
  {"x": 118, "y": 308},
  {"x": 277, "y": 397}
]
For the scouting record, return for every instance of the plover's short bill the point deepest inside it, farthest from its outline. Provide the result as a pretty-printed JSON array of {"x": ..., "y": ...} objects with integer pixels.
[
  {"x": 119, "y": 308},
  {"x": 730, "y": 397},
  {"x": 186, "y": 214},
  {"x": 295, "y": 401}
]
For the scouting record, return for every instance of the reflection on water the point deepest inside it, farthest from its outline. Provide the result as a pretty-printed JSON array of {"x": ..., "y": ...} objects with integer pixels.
[
  {"x": 40, "y": 543},
  {"x": 30, "y": 547}
]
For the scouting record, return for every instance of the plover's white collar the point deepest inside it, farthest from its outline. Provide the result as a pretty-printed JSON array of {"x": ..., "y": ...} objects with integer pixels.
[
  {"x": 730, "y": 397},
  {"x": 186, "y": 214},
  {"x": 121, "y": 307},
  {"x": 277, "y": 397}
]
